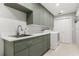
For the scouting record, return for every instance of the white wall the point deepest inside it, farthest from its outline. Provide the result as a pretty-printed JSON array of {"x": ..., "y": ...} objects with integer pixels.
[
  {"x": 66, "y": 26},
  {"x": 9, "y": 20}
]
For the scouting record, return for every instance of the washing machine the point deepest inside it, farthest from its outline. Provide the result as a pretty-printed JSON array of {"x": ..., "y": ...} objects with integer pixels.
[{"x": 54, "y": 39}]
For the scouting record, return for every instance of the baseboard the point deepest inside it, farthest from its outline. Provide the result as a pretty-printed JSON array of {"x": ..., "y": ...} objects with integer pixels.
[{"x": 65, "y": 43}]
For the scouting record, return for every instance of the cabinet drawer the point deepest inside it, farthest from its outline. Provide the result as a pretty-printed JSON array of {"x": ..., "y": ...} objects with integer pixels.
[
  {"x": 35, "y": 40},
  {"x": 36, "y": 50},
  {"x": 46, "y": 37},
  {"x": 19, "y": 48},
  {"x": 22, "y": 53},
  {"x": 20, "y": 45},
  {"x": 46, "y": 46}
]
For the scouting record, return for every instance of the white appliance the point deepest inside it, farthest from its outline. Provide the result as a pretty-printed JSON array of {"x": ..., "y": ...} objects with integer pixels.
[{"x": 54, "y": 39}]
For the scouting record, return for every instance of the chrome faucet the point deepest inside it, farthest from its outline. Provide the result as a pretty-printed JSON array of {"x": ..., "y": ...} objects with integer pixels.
[
  {"x": 25, "y": 30},
  {"x": 17, "y": 32}
]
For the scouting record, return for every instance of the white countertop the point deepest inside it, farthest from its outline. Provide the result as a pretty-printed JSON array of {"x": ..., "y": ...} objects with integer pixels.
[{"x": 9, "y": 38}]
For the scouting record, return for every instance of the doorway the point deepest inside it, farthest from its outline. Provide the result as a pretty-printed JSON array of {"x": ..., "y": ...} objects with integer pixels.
[{"x": 64, "y": 27}]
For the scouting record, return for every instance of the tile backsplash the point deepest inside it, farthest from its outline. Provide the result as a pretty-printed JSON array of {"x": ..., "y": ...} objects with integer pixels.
[
  {"x": 9, "y": 26},
  {"x": 10, "y": 19}
]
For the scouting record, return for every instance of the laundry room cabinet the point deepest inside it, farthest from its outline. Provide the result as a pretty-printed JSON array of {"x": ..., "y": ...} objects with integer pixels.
[
  {"x": 34, "y": 46},
  {"x": 77, "y": 12}
]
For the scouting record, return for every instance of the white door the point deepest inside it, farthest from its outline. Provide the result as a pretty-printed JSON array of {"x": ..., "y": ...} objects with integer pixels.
[{"x": 64, "y": 27}]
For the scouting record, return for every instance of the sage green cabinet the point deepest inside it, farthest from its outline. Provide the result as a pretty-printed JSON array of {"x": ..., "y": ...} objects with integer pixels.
[
  {"x": 16, "y": 48},
  {"x": 36, "y": 50},
  {"x": 34, "y": 46},
  {"x": 22, "y": 53},
  {"x": 35, "y": 13}
]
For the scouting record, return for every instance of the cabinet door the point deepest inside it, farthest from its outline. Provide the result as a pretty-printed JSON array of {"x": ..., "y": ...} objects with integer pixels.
[
  {"x": 46, "y": 43},
  {"x": 20, "y": 45},
  {"x": 22, "y": 53},
  {"x": 36, "y": 50},
  {"x": 77, "y": 13},
  {"x": 35, "y": 40},
  {"x": 21, "y": 48},
  {"x": 36, "y": 16},
  {"x": 39, "y": 45}
]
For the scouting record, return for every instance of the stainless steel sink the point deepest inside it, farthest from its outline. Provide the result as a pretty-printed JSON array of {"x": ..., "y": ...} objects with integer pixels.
[{"x": 18, "y": 36}]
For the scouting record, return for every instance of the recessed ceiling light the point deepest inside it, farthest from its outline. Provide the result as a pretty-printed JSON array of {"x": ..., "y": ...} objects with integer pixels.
[
  {"x": 61, "y": 11},
  {"x": 57, "y": 4}
]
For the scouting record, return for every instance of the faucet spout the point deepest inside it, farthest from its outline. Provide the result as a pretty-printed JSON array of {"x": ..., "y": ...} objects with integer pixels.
[{"x": 19, "y": 26}]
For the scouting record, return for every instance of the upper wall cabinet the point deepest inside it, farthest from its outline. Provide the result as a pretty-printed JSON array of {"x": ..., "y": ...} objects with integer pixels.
[
  {"x": 22, "y": 9},
  {"x": 18, "y": 7},
  {"x": 77, "y": 12},
  {"x": 37, "y": 15},
  {"x": 77, "y": 15}
]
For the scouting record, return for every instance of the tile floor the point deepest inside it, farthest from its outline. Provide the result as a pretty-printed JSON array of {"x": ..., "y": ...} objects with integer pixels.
[{"x": 64, "y": 50}]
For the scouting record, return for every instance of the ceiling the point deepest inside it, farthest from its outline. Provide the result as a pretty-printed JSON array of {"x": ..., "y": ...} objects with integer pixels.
[{"x": 61, "y": 8}]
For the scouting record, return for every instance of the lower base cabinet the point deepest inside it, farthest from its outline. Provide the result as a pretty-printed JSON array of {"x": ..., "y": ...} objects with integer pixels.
[
  {"x": 22, "y": 53},
  {"x": 35, "y": 46},
  {"x": 36, "y": 50}
]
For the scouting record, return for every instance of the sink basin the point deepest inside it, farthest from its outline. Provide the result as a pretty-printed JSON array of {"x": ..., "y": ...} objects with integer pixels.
[{"x": 23, "y": 35}]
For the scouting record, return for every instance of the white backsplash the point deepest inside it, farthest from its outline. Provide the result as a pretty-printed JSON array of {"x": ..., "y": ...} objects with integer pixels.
[{"x": 9, "y": 26}]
